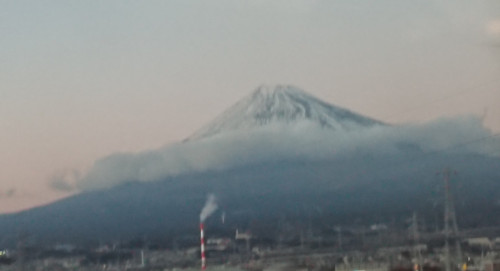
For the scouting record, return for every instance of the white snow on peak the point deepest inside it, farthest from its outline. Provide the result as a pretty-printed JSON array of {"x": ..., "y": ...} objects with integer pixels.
[{"x": 282, "y": 104}]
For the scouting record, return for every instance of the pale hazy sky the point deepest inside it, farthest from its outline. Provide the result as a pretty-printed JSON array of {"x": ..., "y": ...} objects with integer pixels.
[{"x": 83, "y": 79}]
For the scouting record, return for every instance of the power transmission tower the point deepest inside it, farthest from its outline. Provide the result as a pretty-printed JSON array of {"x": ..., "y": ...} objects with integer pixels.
[{"x": 450, "y": 224}]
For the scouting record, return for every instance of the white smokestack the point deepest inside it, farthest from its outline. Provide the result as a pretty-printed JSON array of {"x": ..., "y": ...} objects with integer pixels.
[{"x": 209, "y": 208}]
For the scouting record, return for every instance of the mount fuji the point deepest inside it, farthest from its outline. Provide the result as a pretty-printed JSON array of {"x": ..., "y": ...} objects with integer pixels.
[
  {"x": 278, "y": 155},
  {"x": 282, "y": 104}
]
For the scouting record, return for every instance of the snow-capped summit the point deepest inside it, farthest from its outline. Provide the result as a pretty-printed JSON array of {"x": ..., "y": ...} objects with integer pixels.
[{"x": 282, "y": 104}]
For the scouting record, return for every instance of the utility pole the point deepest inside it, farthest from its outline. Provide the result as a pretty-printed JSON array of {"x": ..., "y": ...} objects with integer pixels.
[
  {"x": 142, "y": 258},
  {"x": 416, "y": 240},
  {"x": 21, "y": 251},
  {"x": 450, "y": 223},
  {"x": 339, "y": 237}
]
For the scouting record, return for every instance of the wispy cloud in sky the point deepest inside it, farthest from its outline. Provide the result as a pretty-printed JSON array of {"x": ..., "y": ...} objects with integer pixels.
[
  {"x": 9, "y": 193},
  {"x": 493, "y": 27},
  {"x": 64, "y": 180}
]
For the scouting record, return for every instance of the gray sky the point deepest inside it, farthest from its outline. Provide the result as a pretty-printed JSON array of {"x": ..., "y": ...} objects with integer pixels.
[{"x": 83, "y": 79}]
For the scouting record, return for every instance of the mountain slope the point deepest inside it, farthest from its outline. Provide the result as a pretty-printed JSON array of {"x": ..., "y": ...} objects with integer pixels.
[
  {"x": 282, "y": 104},
  {"x": 357, "y": 190},
  {"x": 350, "y": 174}
]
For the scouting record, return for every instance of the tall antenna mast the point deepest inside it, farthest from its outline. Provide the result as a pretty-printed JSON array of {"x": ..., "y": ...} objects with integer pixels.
[{"x": 450, "y": 223}]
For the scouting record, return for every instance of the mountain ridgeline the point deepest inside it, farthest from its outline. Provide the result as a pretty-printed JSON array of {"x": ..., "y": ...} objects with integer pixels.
[{"x": 367, "y": 172}]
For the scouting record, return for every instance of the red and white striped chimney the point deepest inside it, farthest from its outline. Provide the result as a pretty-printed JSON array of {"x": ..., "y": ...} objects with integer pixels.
[{"x": 202, "y": 235}]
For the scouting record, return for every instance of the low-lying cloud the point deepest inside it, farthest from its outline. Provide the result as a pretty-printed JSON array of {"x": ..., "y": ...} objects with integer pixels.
[
  {"x": 276, "y": 142},
  {"x": 64, "y": 180}
]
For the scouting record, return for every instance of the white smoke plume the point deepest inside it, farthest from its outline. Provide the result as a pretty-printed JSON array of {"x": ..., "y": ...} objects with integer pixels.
[{"x": 209, "y": 208}]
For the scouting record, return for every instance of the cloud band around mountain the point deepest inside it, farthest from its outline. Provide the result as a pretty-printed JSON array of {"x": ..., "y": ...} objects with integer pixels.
[{"x": 302, "y": 140}]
